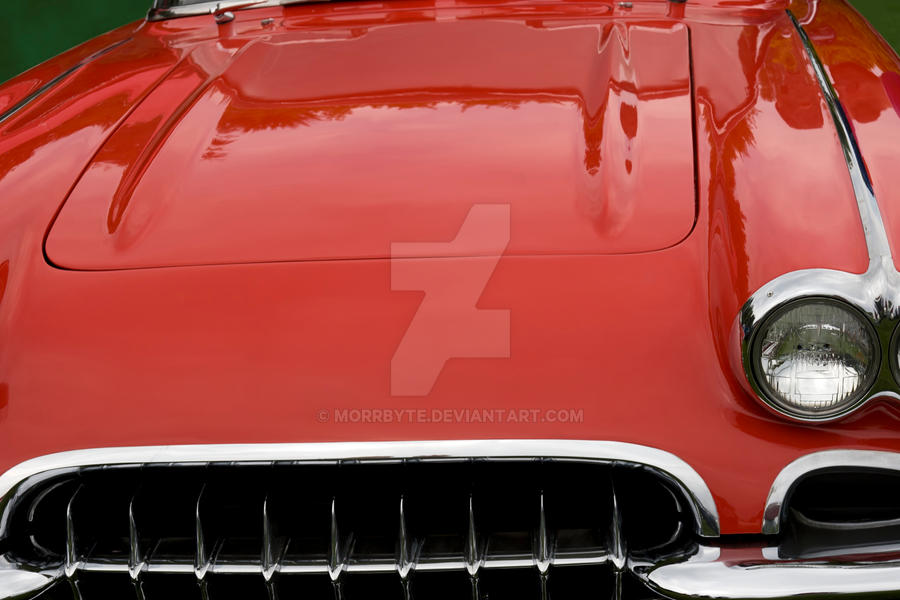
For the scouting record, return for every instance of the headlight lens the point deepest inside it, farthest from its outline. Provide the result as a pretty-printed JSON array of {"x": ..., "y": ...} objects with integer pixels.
[{"x": 814, "y": 358}]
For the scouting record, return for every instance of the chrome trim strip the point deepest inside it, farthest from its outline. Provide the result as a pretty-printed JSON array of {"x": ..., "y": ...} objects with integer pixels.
[
  {"x": 876, "y": 292},
  {"x": 15, "y": 581},
  {"x": 389, "y": 565},
  {"x": 664, "y": 463},
  {"x": 818, "y": 461},
  {"x": 873, "y": 225},
  {"x": 18, "y": 106}
]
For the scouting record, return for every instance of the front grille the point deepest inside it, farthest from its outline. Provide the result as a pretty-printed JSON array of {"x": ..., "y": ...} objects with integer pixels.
[{"x": 432, "y": 529}]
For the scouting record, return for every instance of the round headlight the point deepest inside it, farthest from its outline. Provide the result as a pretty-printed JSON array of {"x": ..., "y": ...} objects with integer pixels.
[{"x": 815, "y": 358}]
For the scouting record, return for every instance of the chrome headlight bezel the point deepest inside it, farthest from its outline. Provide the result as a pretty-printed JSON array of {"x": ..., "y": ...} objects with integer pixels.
[
  {"x": 875, "y": 295},
  {"x": 893, "y": 358},
  {"x": 771, "y": 398}
]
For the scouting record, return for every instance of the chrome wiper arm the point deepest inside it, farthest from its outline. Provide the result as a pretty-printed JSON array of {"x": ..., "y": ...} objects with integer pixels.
[
  {"x": 222, "y": 11},
  {"x": 163, "y": 9}
]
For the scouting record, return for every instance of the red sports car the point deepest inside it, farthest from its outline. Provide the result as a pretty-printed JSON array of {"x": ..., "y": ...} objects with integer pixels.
[{"x": 454, "y": 300}]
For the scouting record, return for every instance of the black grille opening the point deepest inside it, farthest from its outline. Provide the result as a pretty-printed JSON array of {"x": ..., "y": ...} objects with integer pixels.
[
  {"x": 165, "y": 586},
  {"x": 115, "y": 586},
  {"x": 379, "y": 585},
  {"x": 572, "y": 582},
  {"x": 431, "y": 529},
  {"x": 305, "y": 586},
  {"x": 102, "y": 523},
  {"x": 165, "y": 508},
  {"x": 842, "y": 512},
  {"x": 236, "y": 586},
  {"x": 60, "y": 590},
  {"x": 510, "y": 584},
  {"x": 447, "y": 585},
  {"x": 653, "y": 522},
  {"x": 45, "y": 505}
]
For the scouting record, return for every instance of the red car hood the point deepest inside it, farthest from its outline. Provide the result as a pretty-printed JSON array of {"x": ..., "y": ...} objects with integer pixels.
[
  {"x": 479, "y": 186},
  {"x": 335, "y": 142}
]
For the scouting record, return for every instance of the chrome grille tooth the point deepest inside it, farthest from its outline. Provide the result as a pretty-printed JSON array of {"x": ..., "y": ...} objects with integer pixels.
[
  {"x": 337, "y": 553},
  {"x": 73, "y": 561},
  {"x": 617, "y": 585},
  {"x": 76, "y": 589},
  {"x": 407, "y": 549},
  {"x": 135, "y": 557},
  {"x": 543, "y": 553},
  {"x": 266, "y": 558},
  {"x": 473, "y": 556},
  {"x": 403, "y": 562},
  {"x": 273, "y": 549},
  {"x": 201, "y": 557},
  {"x": 271, "y": 590},
  {"x": 618, "y": 552}
]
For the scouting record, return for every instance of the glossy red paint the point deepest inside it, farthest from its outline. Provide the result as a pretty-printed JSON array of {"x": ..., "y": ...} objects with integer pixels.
[{"x": 260, "y": 352}]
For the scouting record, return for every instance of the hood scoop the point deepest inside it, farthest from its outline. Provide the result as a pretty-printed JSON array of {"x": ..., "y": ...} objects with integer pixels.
[{"x": 337, "y": 144}]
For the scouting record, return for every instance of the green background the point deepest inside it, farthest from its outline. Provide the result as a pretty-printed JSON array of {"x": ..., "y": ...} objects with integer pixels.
[
  {"x": 32, "y": 31},
  {"x": 885, "y": 15}
]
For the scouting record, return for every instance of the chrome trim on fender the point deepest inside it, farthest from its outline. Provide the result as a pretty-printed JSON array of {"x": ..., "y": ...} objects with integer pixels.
[
  {"x": 876, "y": 292},
  {"x": 819, "y": 461},
  {"x": 664, "y": 463},
  {"x": 18, "y": 106},
  {"x": 873, "y": 225}
]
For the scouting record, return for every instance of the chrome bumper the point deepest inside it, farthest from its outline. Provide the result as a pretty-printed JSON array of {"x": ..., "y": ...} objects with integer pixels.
[{"x": 712, "y": 574}]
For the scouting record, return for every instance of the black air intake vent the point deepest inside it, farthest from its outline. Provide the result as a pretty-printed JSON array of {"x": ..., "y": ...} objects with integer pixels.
[
  {"x": 432, "y": 529},
  {"x": 842, "y": 512}
]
